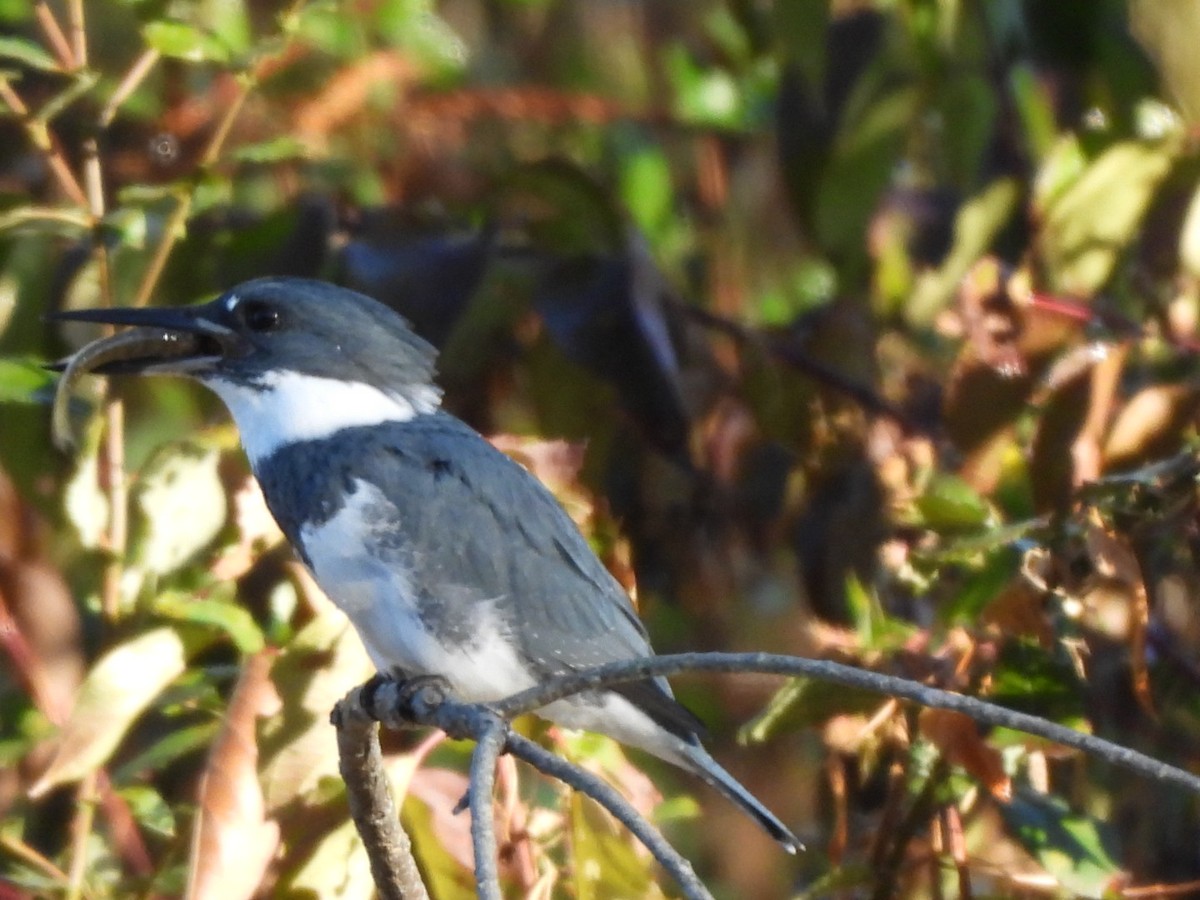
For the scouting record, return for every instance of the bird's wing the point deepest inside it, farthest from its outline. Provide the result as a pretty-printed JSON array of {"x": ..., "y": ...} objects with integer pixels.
[{"x": 509, "y": 537}]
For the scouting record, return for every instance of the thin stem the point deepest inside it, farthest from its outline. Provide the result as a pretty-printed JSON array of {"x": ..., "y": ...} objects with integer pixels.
[
  {"x": 176, "y": 223},
  {"x": 81, "y": 831},
  {"x": 137, "y": 73},
  {"x": 39, "y": 135},
  {"x": 825, "y": 670},
  {"x": 483, "y": 818},
  {"x": 54, "y": 35},
  {"x": 117, "y": 487},
  {"x": 31, "y": 857},
  {"x": 75, "y": 24}
]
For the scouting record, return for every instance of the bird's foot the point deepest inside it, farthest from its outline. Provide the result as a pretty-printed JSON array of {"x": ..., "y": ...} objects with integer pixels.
[{"x": 419, "y": 696}]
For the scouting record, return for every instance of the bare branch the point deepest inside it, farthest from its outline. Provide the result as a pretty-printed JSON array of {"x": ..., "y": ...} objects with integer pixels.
[
  {"x": 424, "y": 701},
  {"x": 369, "y": 794},
  {"x": 826, "y": 670}
]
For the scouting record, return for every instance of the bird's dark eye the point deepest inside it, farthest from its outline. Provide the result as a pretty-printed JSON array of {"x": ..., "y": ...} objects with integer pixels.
[{"x": 260, "y": 316}]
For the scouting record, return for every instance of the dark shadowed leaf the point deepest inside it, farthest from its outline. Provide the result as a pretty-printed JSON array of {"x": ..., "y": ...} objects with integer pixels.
[{"x": 1076, "y": 849}]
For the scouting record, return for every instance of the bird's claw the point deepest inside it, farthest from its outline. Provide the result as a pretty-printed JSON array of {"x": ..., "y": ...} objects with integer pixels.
[{"x": 419, "y": 695}]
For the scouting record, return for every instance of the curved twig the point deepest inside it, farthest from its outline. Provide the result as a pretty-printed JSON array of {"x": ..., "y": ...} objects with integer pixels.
[
  {"x": 774, "y": 664},
  {"x": 491, "y": 742},
  {"x": 608, "y": 797}
]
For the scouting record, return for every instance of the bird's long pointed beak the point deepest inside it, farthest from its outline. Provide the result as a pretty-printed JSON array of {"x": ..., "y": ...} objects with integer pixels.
[{"x": 161, "y": 340}]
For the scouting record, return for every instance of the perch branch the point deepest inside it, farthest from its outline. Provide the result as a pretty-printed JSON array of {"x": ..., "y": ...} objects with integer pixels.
[
  {"x": 826, "y": 670},
  {"x": 483, "y": 826},
  {"x": 368, "y": 793},
  {"x": 608, "y": 797}
]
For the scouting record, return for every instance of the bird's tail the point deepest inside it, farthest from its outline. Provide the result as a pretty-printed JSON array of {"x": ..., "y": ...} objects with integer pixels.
[{"x": 698, "y": 760}]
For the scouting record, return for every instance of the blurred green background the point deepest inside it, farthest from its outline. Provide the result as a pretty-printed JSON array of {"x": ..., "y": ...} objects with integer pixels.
[{"x": 864, "y": 330}]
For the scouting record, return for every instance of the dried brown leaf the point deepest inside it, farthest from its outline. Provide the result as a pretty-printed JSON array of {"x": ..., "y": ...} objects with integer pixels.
[
  {"x": 957, "y": 738},
  {"x": 1151, "y": 425}
]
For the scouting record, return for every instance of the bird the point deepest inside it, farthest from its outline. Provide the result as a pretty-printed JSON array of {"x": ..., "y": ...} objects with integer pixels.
[{"x": 449, "y": 558}]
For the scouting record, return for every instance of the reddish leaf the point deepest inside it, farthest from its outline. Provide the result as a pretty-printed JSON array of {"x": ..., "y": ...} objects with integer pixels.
[
  {"x": 956, "y": 737},
  {"x": 233, "y": 840}
]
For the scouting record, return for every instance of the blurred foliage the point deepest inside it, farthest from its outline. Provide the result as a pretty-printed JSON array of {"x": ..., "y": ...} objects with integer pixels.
[{"x": 861, "y": 330}]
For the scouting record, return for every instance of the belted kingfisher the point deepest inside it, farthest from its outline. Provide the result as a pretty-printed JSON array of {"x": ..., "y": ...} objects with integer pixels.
[{"x": 449, "y": 558}]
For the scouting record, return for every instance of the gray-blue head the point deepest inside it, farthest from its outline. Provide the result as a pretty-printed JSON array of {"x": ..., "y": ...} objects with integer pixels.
[{"x": 293, "y": 359}]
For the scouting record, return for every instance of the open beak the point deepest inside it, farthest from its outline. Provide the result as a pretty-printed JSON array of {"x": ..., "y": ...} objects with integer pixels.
[{"x": 178, "y": 341}]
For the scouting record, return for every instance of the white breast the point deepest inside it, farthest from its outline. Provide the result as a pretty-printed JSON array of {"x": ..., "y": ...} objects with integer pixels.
[{"x": 380, "y": 599}]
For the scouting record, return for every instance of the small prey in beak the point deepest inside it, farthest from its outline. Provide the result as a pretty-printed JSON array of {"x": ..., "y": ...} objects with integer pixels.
[{"x": 162, "y": 340}]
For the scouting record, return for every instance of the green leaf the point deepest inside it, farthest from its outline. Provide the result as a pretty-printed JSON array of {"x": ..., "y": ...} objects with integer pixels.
[
  {"x": 80, "y": 85},
  {"x": 977, "y": 223},
  {"x": 175, "y": 744},
  {"x": 279, "y": 149},
  {"x": 181, "y": 504},
  {"x": 604, "y": 861},
  {"x": 949, "y": 505},
  {"x": 876, "y": 629},
  {"x": 1075, "y": 849},
  {"x": 312, "y": 673},
  {"x": 1090, "y": 224},
  {"x": 180, "y": 40},
  {"x": 806, "y": 703},
  {"x": 150, "y": 809},
  {"x": 981, "y": 587},
  {"x": 646, "y": 189},
  {"x": 226, "y": 615},
  {"x": 337, "y": 868},
  {"x": 1030, "y": 679},
  {"x": 118, "y": 689},
  {"x": 22, "y": 380},
  {"x": 26, "y": 51}
]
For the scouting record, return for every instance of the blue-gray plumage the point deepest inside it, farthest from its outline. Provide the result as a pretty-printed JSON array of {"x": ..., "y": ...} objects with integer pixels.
[{"x": 448, "y": 557}]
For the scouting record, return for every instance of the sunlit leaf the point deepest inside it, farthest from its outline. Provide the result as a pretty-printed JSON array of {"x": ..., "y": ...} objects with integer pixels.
[
  {"x": 179, "y": 40},
  {"x": 338, "y": 867},
  {"x": 313, "y": 672},
  {"x": 167, "y": 750},
  {"x": 181, "y": 502},
  {"x": 22, "y": 381},
  {"x": 957, "y": 738},
  {"x": 119, "y": 687},
  {"x": 226, "y": 614},
  {"x": 86, "y": 504},
  {"x": 1090, "y": 224},
  {"x": 279, "y": 149},
  {"x": 950, "y": 505},
  {"x": 27, "y": 52},
  {"x": 604, "y": 861}
]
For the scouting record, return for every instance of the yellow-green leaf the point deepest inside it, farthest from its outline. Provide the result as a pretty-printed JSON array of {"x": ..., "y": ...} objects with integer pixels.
[{"x": 118, "y": 689}]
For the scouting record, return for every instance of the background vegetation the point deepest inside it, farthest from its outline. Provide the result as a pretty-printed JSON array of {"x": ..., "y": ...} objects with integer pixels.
[{"x": 863, "y": 330}]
